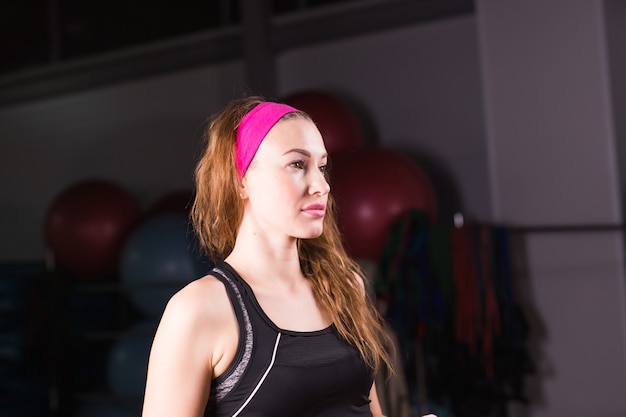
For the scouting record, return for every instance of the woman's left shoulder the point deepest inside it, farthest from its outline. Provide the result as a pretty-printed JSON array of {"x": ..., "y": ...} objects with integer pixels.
[{"x": 360, "y": 281}]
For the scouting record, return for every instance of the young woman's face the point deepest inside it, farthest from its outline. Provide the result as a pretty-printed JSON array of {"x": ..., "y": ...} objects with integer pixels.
[{"x": 285, "y": 185}]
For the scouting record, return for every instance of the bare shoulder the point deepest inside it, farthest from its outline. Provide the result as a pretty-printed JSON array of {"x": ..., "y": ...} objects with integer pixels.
[
  {"x": 360, "y": 280},
  {"x": 204, "y": 298},
  {"x": 200, "y": 308},
  {"x": 201, "y": 318}
]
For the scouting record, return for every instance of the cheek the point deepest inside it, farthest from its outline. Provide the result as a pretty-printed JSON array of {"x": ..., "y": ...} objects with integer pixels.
[
  {"x": 266, "y": 192},
  {"x": 274, "y": 191}
]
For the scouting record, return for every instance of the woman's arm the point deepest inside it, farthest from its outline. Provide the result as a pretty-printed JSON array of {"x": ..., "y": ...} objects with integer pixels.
[
  {"x": 187, "y": 347},
  {"x": 375, "y": 407},
  {"x": 375, "y": 403}
]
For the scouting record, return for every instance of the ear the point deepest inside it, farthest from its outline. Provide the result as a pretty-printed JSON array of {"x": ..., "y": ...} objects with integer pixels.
[{"x": 243, "y": 190}]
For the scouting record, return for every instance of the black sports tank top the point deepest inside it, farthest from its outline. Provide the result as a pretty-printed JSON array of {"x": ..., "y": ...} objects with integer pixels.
[{"x": 281, "y": 373}]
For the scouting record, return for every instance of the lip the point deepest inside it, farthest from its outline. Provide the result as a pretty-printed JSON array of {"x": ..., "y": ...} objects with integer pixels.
[{"x": 315, "y": 210}]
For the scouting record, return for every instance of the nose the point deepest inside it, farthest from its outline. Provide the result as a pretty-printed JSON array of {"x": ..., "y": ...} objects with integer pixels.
[{"x": 319, "y": 185}]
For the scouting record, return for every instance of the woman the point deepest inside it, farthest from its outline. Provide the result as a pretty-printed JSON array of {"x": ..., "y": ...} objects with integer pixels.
[{"x": 282, "y": 325}]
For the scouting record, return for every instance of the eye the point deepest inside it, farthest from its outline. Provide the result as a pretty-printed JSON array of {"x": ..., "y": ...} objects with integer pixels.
[
  {"x": 297, "y": 164},
  {"x": 323, "y": 168}
]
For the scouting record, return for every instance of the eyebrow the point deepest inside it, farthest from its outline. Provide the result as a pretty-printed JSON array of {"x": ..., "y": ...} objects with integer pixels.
[{"x": 303, "y": 152}]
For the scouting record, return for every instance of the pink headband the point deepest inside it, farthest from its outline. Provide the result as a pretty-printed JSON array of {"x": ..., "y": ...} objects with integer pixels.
[{"x": 253, "y": 128}]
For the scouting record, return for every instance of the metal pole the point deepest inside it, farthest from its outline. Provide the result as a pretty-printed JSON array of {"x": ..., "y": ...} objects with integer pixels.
[
  {"x": 54, "y": 43},
  {"x": 258, "y": 54}
]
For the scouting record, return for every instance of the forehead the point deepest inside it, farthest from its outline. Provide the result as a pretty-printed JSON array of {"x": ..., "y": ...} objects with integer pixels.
[{"x": 297, "y": 132}]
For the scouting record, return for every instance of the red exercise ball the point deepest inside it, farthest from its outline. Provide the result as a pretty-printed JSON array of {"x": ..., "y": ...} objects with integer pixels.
[
  {"x": 372, "y": 188},
  {"x": 336, "y": 121},
  {"x": 86, "y": 226},
  {"x": 174, "y": 202}
]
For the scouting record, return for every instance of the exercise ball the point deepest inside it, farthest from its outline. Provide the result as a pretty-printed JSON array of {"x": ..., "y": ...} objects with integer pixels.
[
  {"x": 338, "y": 124},
  {"x": 127, "y": 362},
  {"x": 179, "y": 201},
  {"x": 86, "y": 225},
  {"x": 371, "y": 188},
  {"x": 158, "y": 258}
]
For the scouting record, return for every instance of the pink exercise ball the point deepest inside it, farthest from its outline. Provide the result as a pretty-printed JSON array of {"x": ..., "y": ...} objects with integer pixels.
[
  {"x": 338, "y": 124},
  {"x": 372, "y": 188},
  {"x": 86, "y": 225}
]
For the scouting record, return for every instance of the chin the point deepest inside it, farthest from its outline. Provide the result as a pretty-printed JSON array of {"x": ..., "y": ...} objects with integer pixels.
[{"x": 312, "y": 234}]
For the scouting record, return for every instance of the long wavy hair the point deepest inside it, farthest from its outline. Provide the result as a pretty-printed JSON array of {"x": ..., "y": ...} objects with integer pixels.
[{"x": 216, "y": 216}]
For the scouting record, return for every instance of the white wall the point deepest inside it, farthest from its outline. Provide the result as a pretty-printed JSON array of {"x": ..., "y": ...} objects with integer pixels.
[
  {"x": 553, "y": 161},
  {"x": 141, "y": 134},
  {"x": 615, "y": 16}
]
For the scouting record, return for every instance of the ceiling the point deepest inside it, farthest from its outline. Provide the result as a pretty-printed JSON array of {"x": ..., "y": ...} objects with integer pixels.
[
  {"x": 35, "y": 32},
  {"x": 60, "y": 45}
]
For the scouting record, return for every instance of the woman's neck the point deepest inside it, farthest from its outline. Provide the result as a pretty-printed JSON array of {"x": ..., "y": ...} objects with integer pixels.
[{"x": 264, "y": 261}]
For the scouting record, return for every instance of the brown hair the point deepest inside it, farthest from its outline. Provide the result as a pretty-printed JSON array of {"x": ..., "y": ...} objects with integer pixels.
[{"x": 217, "y": 213}]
